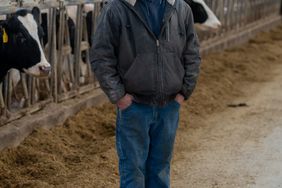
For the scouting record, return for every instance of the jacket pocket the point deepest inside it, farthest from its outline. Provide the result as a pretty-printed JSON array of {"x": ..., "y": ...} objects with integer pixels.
[
  {"x": 140, "y": 78},
  {"x": 173, "y": 73}
]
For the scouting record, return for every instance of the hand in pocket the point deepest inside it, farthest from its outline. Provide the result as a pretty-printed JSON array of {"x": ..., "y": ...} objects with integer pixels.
[
  {"x": 179, "y": 99},
  {"x": 125, "y": 102}
]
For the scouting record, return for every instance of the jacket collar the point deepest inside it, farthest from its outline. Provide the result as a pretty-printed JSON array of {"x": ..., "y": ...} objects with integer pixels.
[{"x": 132, "y": 2}]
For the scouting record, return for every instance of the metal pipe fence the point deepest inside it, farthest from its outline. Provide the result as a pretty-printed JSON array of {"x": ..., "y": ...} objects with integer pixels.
[
  {"x": 237, "y": 14},
  {"x": 71, "y": 74}
]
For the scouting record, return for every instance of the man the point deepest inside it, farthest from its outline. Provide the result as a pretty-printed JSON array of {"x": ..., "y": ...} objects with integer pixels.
[{"x": 145, "y": 55}]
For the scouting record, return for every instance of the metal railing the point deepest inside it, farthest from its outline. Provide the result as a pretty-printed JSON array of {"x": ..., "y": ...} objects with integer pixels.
[
  {"x": 237, "y": 14},
  {"x": 68, "y": 80}
]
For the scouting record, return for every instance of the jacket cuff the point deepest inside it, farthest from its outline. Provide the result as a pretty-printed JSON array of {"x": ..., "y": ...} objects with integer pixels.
[
  {"x": 115, "y": 97},
  {"x": 185, "y": 93}
]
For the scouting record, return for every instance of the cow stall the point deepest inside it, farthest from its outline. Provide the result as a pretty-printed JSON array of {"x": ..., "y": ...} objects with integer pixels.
[
  {"x": 22, "y": 94},
  {"x": 69, "y": 27}
]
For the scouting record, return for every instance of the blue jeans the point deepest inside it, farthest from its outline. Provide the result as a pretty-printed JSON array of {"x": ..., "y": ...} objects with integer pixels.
[{"x": 144, "y": 140}]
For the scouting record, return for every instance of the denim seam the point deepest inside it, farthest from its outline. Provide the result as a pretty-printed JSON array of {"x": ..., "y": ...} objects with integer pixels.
[{"x": 119, "y": 148}]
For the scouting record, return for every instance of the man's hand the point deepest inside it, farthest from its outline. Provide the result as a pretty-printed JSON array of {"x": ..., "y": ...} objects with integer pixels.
[
  {"x": 179, "y": 98},
  {"x": 125, "y": 102}
]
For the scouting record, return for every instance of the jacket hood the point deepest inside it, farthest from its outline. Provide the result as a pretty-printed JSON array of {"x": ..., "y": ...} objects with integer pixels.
[{"x": 132, "y": 2}]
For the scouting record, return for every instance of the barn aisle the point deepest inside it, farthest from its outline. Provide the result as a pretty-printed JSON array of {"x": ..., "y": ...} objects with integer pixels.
[
  {"x": 220, "y": 143},
  {"x": 240, "y": 147}
]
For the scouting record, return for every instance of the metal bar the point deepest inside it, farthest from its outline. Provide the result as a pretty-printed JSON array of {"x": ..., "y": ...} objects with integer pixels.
[
  {"x": 77, "y": 45},
  {"x": 53, "y": 51},
  {"x": 60, "y": 47}
]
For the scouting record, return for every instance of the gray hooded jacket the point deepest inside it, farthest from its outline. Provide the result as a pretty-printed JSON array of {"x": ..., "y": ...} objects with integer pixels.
[{"x": 127, "y": 57}]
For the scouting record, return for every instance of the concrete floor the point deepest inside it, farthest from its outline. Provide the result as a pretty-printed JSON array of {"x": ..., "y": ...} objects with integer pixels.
[{"x": 241, "y": 147}]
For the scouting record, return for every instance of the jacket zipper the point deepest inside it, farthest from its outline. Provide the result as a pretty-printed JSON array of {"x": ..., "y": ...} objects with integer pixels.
[
  {"x": 159, "y": 70},
  {"x": 159, "y": 63}
]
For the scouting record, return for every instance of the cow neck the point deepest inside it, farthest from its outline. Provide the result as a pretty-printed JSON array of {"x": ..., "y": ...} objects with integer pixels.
[
  {"x": 3, "y": 64},
  {"x": 1, "y": 45}
]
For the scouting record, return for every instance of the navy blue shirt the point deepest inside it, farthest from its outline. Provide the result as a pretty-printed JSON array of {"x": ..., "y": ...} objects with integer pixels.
[{"x": 153, "y": 13}]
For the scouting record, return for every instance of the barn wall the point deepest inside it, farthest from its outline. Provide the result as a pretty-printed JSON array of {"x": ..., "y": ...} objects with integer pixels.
[{"x": 44, "y": 96}]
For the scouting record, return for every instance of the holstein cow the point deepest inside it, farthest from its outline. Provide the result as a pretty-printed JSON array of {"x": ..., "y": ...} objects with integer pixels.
[
  {"x": 203, "y": 15},
  {"x": 20, "y": 48}
]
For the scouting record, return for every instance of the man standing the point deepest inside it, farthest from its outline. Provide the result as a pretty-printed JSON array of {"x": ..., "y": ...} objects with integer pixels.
[{"x": 145, "y": 55}]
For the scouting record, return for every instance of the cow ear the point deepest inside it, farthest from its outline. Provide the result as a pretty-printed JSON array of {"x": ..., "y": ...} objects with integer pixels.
[
  {"x": 12, "y": 24},
  {"x": 36, "y": 13}
]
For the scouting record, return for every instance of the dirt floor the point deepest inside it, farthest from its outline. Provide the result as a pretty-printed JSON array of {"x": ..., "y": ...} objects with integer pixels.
[{"x": 212, "y": 149}]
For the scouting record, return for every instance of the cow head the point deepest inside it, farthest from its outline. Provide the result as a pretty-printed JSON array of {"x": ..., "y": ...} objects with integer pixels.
[
  {"x": 203, "y": 15},
  {"x": 21, "y": 48}
]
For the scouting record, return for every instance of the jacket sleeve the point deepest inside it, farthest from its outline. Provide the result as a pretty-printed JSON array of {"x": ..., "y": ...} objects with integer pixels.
[
  {"x": 191, "y": 57},
  {"x": 103, "y": 54}
]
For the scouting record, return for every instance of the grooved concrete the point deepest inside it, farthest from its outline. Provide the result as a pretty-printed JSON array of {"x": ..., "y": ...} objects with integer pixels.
[{"x": 240, "y": 147}]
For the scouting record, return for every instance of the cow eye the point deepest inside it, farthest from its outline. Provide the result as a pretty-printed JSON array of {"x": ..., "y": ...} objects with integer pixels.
[
  {"x": 20, "y": 35},
  {"x": 21, "y": 38}
]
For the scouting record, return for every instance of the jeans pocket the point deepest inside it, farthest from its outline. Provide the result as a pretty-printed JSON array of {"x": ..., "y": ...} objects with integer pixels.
[{"x": 176, "y": 103}]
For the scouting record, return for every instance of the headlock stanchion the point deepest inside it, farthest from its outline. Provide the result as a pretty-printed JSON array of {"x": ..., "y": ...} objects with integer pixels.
[{"x": 67, "y": 48}]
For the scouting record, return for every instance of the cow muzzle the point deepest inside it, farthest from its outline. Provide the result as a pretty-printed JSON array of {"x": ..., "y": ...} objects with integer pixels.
[
  {"x": 45, "y": 70},
  {"x": 39, "y": 70}
]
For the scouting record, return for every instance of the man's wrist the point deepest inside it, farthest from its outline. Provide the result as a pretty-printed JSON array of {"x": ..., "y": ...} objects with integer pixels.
[{"x": 182, "y": 95}]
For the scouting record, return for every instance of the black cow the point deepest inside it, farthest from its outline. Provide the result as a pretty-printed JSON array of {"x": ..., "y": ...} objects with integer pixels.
[{"x": 20, "y": 46}]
